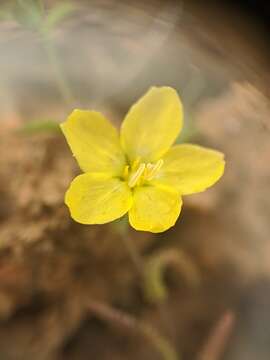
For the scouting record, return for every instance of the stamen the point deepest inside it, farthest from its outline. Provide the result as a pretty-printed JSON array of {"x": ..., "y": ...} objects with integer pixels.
[
  {"x": 135, "y": 163},
  {"x": 150, "y": 166},
  {"x": 126, "y": 171},
  {"x": 159, "y": 165},
  {"x": 148, "y": 170},
  {"x": 136, "y": 176},
  {"x": 154, "y": 169}
]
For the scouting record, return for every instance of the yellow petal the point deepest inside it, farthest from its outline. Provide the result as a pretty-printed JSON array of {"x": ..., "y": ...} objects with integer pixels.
[
  {"x": 152, "y": 124},
  {"x": 190, "y": 168},
  {"x": 154, "y": 209},
  {"x": 97, "y": 199},
  {"x": 94, "y": 142}
]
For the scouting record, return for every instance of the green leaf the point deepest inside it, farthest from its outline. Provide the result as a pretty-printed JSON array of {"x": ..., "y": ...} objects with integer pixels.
[
  {"x": 155, "y": 286},
  {"x": 58, "y": 13},
  {"x": 6, "y": 14},
  {"x": 28, "y": 13},
  {"x": 38, "y": 126}
]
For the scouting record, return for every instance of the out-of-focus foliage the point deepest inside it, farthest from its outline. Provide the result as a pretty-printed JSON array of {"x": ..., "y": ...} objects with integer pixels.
[
  {"x": 39, "y": 126},
  {"x": 33, "y": 15}
]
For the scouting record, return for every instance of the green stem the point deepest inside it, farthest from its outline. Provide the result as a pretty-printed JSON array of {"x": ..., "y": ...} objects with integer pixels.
[
  {"x": 135, "y": 256},
  {"x": 117, "y": 317},
  {"x": 41, "y": 5},
  {"x": 161, "y": 344},
  {"x": 55, "y": 64},
  {"x": 155, "y": 286}
]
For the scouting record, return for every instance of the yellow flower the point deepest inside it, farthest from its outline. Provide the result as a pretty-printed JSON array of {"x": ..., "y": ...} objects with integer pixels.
[{"x": 138, "y": 172}]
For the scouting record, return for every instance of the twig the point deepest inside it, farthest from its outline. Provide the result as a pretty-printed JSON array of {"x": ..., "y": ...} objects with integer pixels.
[
  {"x": 117, "y": 317},
  {"x": 216, "y": 343}
]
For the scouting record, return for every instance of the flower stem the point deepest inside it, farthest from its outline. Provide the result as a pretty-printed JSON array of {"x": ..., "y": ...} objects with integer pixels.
[
  {"x": 117, "y": 317},
  {"x": 56, "y": 67},
  {"x": 135, "y": 256},
  {"x": 139, "y": 265}
]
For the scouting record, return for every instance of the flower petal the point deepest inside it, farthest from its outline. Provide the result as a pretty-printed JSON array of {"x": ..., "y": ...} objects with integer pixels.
[
  {"x": 94, "y": 142},
  {"x": 96, "y": 199},
  {"x": 190, "y": 168},
  {"x": 154, "y": 209},
  {"x": 152, "y": 124}
]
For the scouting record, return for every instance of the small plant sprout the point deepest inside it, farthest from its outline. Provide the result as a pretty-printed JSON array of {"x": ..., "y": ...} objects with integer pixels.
[
  {"x": 34, "y": 16},
  {"x": 138, "y": 172}
]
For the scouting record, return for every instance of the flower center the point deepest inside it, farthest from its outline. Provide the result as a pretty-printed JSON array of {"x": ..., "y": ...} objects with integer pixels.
[{"x": 141, "y": 172}]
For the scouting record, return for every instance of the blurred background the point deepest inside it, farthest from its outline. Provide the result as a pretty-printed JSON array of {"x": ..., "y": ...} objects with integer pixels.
[{"x": 104, "y": 54}]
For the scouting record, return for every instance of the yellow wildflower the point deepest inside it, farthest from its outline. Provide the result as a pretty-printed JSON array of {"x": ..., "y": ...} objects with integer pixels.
[{"x": 138, "y": 172}]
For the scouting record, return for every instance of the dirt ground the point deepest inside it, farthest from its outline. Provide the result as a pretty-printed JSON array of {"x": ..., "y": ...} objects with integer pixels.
[{"x": 52, "y": 269}]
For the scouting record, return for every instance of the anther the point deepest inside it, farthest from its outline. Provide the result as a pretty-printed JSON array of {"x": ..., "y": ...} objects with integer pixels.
[
  {"x": 126, "y": 171},
  {"x": 154, "y": 169},
  {"x": 135, "y": 163},
  {"x": 136, "y": 176}
]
